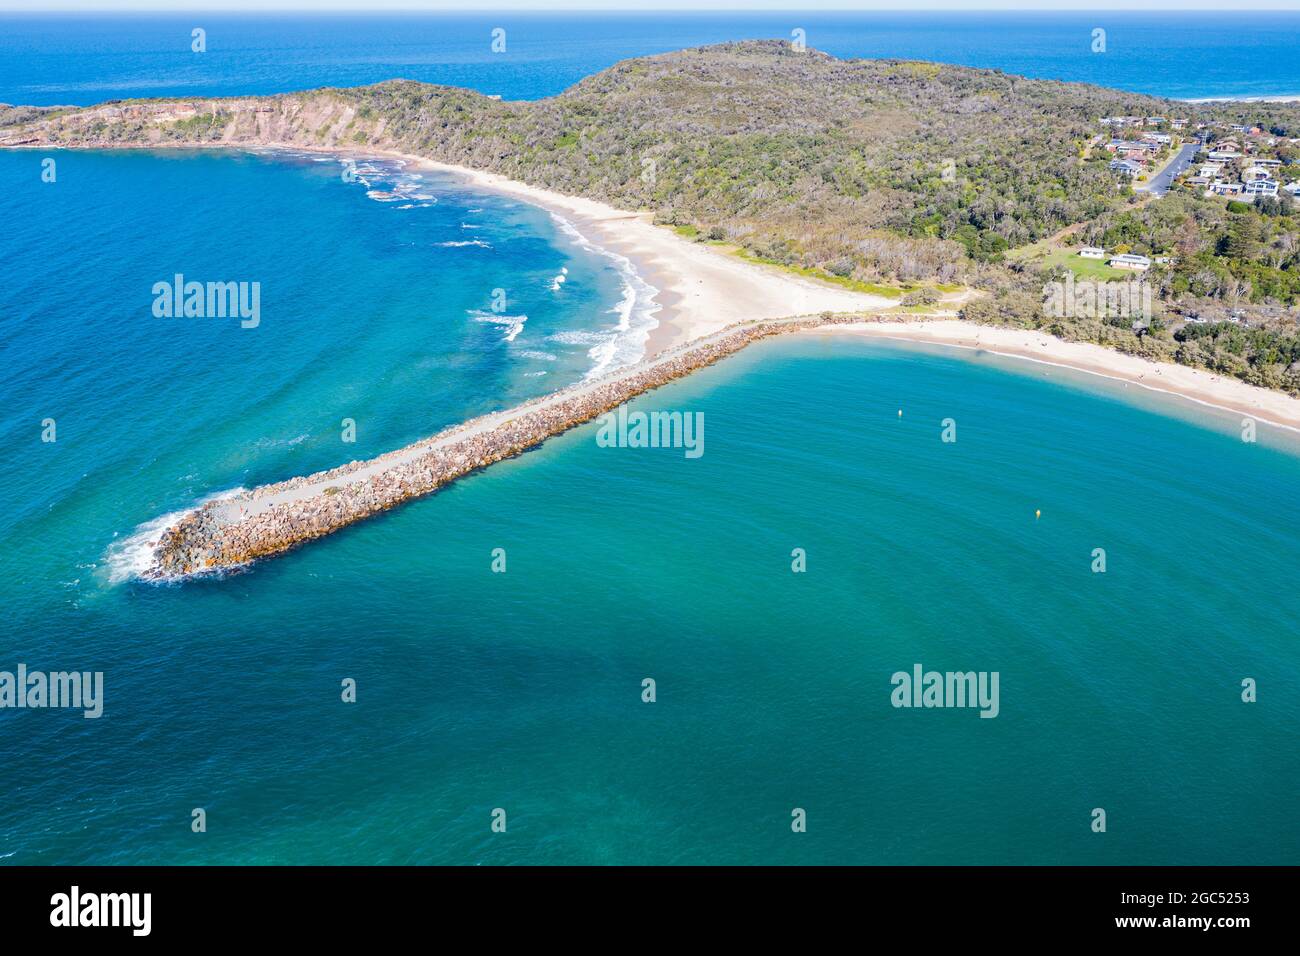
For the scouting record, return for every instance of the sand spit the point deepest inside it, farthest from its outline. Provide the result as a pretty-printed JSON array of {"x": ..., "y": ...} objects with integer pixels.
[
  {"x": 271, "y": 519},
  {"x": 1194, "y": 384}
]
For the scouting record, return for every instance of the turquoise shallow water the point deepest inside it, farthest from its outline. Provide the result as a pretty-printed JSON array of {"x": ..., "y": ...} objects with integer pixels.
[{"x": 522, "y": 690}]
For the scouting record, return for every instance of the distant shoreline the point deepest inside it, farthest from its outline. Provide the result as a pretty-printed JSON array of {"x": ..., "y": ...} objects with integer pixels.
[{"x": 1284, "y": 98}]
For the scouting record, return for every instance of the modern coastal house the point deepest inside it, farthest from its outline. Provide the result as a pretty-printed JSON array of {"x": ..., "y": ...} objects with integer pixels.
[
  {"x": 1130, "y": 261},
  {"x": 1131, "y": 145},
  {"x": 1260, "y": 187},
  {"x": 1221, "y": 188},
  {"x": 1125, "y": 167}
]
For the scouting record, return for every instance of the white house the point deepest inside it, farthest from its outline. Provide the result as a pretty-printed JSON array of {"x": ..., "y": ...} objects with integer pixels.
[
  {"x": 1226, "y": 189},
  {"x": 1293, "y": 188},
  {"x": 1261, "y": 187},
  {"x": 1125, "y": 167},
  {"x": 1129, "y": 261},
  {"x": 1092, "y": 252},
  {"x": 1131, "y": 145}
]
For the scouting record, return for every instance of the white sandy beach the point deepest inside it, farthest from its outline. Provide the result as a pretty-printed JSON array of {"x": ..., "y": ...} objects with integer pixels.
[
  {"x": 1198, "y": 385},
  {"x": 701, "y": 289}
]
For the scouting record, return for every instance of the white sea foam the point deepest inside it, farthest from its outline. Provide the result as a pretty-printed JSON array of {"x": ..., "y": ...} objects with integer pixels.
[
  {"x": 281, "y": 442},
  {"x": 514, "y": 324},
  {"x": 132, "y": 556},
  {"x": 624, "y": 343},
  {"x": 578, "y": 337},
  {"x": 466, "y": 242},
  {"x": 536, "y": 355}
]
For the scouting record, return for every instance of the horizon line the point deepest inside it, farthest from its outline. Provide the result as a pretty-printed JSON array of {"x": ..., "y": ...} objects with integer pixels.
[{"x": 951, "y": 6}]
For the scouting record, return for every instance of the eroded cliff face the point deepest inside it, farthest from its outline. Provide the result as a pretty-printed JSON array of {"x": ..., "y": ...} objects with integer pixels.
[{"x": 315, "y": 119}]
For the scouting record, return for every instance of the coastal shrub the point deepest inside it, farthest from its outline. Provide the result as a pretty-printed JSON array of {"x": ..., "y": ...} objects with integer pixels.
[
  {"x": 842, "y": 267},
  {"x": 922, "y": 296}
]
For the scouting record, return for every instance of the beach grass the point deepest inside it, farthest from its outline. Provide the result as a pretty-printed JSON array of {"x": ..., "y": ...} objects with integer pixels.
[{"x": 854, "y": 285}]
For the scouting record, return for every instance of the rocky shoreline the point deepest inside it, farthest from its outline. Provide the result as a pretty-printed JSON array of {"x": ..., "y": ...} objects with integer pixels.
[{"x": 271, "y": 519}]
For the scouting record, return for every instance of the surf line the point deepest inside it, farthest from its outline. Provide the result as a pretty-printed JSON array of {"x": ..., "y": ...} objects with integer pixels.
[{"x": 232, "y": 531}]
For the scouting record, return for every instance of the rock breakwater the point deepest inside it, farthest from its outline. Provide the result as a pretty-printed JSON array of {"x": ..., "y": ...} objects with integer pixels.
[{"x": 271, "y": 519}]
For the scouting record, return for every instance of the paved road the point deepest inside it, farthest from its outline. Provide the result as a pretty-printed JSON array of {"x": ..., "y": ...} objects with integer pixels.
[{"x": 1159, "y": 183}]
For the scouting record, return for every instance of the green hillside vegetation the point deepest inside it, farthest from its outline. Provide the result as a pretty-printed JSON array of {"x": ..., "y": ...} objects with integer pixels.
[{"x": 871, "y": 173}]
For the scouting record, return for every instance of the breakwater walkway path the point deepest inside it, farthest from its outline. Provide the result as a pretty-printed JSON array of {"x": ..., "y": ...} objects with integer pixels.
[{"x": 232, "y": 531}]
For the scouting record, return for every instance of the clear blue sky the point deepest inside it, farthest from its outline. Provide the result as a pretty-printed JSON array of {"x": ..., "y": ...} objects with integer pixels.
[{"x": 183, "y": 6}]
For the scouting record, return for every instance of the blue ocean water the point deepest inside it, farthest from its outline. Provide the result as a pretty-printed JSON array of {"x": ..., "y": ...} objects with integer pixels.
[
  {"x": 80, "y": 59},
  {"x": 523, "y": 690},
  {"x": 401, "y": 301}
]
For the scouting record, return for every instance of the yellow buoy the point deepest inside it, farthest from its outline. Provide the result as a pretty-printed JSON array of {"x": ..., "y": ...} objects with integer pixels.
[
  {"x": 1037, "y": 513},
  {"x": 900, "y": 413}
]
